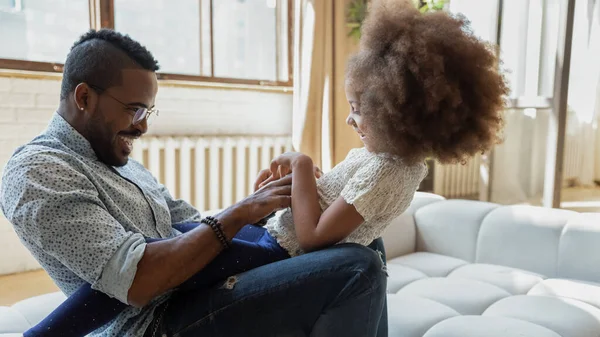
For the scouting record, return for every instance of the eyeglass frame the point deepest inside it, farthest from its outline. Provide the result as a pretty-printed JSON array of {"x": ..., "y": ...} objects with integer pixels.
[{"x": 140, "y": 112}]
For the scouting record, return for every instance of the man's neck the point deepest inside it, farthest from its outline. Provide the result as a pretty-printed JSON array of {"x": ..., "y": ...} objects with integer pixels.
[{"x": 71, "y": 115}]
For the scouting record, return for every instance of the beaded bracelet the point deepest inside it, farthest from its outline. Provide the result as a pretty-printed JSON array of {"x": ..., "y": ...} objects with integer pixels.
[{"x": 218, "y": 229}]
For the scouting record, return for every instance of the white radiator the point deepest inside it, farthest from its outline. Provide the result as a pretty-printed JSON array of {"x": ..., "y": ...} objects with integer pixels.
[
  {"x": 573, "y": 158},
  {"x": 215, "y": 172},
  {"x": 458, "y": 181},
  {"x": 209, "y": 172}
]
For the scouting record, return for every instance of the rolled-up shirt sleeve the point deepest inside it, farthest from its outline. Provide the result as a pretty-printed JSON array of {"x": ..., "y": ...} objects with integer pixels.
[
  {"x": 58, "y": 209},
  {"x": 119, "y": 272}
]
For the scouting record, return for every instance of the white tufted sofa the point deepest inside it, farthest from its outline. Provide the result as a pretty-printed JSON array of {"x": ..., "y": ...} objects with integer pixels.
[
  {"x": 463, "y": 269},
  {"x": 466, "y": 268}
]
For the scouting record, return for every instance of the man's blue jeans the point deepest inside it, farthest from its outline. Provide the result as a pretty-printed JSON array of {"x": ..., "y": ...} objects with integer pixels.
[{"x": 338, "y": 291}]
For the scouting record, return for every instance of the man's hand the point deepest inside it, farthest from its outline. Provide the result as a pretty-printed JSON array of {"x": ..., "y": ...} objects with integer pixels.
[
  {"x": 263, "y": 175},
  {"x": 271, "y": 197}
]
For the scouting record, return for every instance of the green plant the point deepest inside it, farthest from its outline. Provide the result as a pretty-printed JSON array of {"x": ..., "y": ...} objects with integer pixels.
[
  {"x": 355, "y": 15},
  {"x": 357, "y": 11},
  {"x": 432, "y": 5}
]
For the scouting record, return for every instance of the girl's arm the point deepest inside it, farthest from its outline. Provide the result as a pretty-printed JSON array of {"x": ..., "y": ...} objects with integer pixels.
[{"x": 313, "y": 229}]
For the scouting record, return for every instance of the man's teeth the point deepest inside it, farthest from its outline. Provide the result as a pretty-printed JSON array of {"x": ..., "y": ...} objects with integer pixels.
[{"x": 128, "y": 141}]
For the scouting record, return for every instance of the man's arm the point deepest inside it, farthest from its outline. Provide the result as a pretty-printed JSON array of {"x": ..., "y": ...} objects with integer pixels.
[
  {"x": 168, "y": 263},
  {"x": 56, "y": 210}
]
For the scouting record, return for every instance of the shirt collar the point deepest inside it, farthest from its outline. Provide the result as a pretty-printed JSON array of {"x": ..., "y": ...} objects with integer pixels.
[{"x": 60, "y": 129}]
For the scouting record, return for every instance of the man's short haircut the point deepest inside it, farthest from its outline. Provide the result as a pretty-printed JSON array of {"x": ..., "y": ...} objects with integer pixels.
[{"x": 98, "y": 57}]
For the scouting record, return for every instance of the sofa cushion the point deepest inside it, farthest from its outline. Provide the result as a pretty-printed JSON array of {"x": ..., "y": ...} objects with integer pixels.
[
  {"x": 480, "y": 326},
  {"x": 24, "y": 314},
  {"x": 579, "y": 248},
  {"x": 12, "y": 320},
  {"x": 451, "y": 227},
  {"x": 411, "y": 316},
  {"x": 587, "y": 292},
  {"x": 399, "y": 276},
  {"x": 467, "y": 297},
  {"x": 428, "y": 263},
  {"x": 569, "y": 318},
  {"x": 524, "y": 237},
  {"x": 34, "y": 309},
  {"x": 513, "y": 280}
]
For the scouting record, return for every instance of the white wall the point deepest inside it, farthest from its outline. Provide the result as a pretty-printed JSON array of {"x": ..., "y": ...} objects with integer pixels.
[
  {"x": 597, "y": 131},
  {"x": 27, "y": 104}
]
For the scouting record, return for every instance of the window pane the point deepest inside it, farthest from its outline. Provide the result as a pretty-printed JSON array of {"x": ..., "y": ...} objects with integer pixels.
[
  {"x": 41, "y": 30},
  {"x": 483, "y": 16},
  {"x": 283, "y": 41},
  {"x": 169, "y": 29},
  {"x": 244, "y": 39},
  {"x": 205, "y": 43},
  {"x": 549, "y": 46},
  {"x": 514, "y": 32}
]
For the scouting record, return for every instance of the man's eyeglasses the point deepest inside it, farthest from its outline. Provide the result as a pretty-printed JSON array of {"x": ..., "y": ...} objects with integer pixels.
[{"x": 138, "y": 113}]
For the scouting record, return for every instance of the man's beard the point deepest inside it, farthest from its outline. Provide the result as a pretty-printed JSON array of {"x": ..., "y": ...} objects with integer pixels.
[{"x": 102, "y": 140}]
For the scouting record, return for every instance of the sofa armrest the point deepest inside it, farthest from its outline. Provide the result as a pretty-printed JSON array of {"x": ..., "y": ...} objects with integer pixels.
[
  {"x": 22, "y": 315},
  {"x": 400, "y": 236}
]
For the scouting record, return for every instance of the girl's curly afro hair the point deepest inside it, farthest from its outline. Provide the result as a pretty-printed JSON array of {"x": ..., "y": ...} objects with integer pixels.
[{"x": 426, "y": 84}]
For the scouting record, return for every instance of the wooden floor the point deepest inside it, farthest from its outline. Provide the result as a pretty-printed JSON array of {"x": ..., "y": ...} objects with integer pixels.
[
  {"x": 579, "y": 199},
  {"x": 16, "y": 287}
]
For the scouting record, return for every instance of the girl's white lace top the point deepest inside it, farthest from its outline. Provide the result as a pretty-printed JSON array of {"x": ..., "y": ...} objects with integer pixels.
[{"x": 381, "y": 187}]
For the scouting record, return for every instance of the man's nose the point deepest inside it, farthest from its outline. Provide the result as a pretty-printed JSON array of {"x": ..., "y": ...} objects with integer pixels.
[{"x": 142, "y": 126}]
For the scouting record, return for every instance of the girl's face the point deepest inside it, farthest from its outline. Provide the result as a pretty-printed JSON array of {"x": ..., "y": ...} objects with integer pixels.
[{"x": 355, "y": 118}]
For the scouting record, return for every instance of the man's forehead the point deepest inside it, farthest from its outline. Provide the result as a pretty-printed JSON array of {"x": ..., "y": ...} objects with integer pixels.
[
  {"x": 140, "y": 75},
  {"x": 138, "y": 80}
]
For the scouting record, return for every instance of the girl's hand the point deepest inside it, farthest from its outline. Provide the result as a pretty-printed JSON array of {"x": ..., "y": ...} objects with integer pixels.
[
  {"x": 318, "y": 172},
  {"x": 283, "y": 165},
  {"x": 263, "y": 175}
]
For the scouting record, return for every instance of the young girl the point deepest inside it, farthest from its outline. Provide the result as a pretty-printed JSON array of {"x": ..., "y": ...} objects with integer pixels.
[{"x": 420, "y": 86}]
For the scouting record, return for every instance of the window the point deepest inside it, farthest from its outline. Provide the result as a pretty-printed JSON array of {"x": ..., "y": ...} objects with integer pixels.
[
  {"x": 232, "y": 41},
  {"x": 40, "y": 30},
  {"x": 528, "y": 32},
  {"x": 174, "y": 39}
]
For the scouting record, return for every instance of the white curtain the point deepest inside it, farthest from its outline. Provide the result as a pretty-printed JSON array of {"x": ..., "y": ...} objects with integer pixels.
[
  {"x": 313, "y": 70},
  {"x": 583, "y": 92},
  {"x": 321, "y": 50}
]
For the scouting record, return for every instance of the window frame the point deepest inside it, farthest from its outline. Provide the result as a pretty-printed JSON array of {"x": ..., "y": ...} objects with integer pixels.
[{"x": 101, "y": 15}]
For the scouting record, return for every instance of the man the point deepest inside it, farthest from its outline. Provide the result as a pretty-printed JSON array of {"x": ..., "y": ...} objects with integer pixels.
[{"x": 84, "y": 210}]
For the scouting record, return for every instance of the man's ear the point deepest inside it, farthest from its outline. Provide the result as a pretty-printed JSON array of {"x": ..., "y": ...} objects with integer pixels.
[{"x": 81, "y": 96}]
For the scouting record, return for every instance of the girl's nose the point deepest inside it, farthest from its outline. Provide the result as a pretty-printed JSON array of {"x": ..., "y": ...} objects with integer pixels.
[{"x": 350, "y": 121}]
